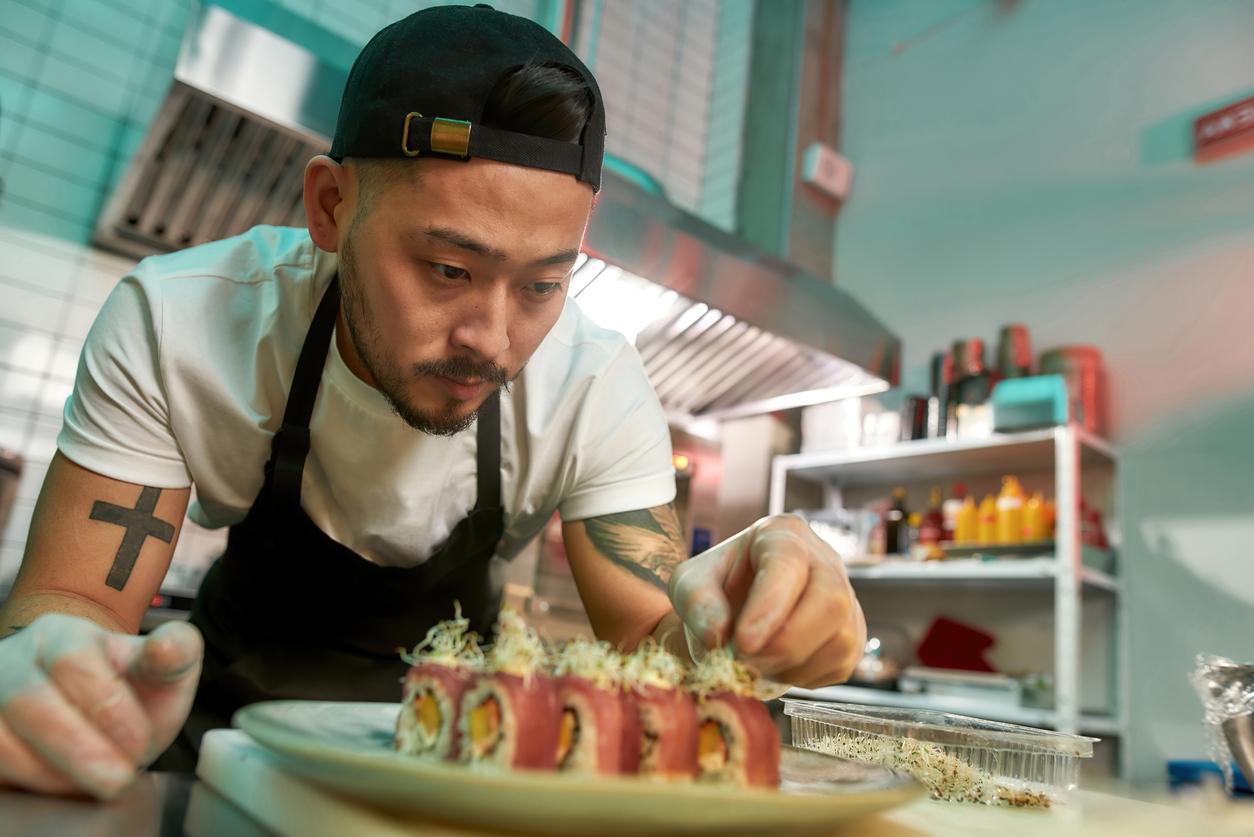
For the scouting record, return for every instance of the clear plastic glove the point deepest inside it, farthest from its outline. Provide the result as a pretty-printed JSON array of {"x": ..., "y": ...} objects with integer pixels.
[
  {"x": 82, "y": 709},
  {"x": 779, "y": 593}
]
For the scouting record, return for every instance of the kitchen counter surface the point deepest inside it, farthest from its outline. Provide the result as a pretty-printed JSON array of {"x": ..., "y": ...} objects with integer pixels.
[{"x": 169, "y": 805}]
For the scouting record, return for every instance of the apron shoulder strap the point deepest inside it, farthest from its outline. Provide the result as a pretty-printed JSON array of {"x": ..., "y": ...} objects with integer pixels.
[
  {"x": 488, "y": 453},
  {"x": 291, "y": 444}
]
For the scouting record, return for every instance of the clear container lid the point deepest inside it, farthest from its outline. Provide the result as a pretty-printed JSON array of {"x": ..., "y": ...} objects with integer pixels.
[
  {"x": 957, "y": 758},
  {"x": 941, "y": 728}
]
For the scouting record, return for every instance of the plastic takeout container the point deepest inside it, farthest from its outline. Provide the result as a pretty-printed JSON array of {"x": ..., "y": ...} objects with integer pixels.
[{"x": 957, "y": 758}]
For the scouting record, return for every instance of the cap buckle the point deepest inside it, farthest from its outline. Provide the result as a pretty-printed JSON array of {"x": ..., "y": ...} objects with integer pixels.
[
  {"x": 448, "y": 136},
  {"x": 405, "y": 149}
]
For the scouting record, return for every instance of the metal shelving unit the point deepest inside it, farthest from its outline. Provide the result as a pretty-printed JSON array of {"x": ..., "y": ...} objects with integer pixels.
[{"x": 1066, "y": 450}]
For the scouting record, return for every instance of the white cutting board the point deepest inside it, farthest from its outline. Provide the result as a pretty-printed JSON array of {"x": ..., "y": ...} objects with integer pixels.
[{"x": 251, "y": 778}]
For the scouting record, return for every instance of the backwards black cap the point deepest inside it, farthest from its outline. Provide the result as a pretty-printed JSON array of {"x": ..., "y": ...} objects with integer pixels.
[{"x": 419, "y": 86}]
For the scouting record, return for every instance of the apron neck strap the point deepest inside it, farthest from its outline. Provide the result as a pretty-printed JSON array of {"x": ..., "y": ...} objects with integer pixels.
[
  {"x": 488, "y": 453},
  {"x": 291, "y": 444}
]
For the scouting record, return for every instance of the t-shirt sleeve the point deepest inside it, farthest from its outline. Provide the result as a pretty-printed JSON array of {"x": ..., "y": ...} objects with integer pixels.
[
  {"x": 622, "y": 448},
  {"x": 117, "y": 418}
]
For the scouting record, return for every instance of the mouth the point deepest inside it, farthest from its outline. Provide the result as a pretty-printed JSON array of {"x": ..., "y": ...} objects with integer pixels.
[{"x": 462, "y": 389}]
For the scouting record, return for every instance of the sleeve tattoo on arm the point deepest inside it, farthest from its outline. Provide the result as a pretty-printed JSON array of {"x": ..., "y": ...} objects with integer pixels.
[
  {"x": 648, "y": 543},
  {"x": 140, "y": 524}
]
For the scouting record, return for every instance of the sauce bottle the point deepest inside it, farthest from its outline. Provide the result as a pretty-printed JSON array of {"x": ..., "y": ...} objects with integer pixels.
[
  {"x": 986, "y": 522},
  {"x": 896, "y": 540},
  {"x": 949, "y": 512},
  {"x": 967, "y": 524},
  {"x": 932, "y": 526},
  {"x": 1035, "y": 525},
  {"x": 1010, "y": 512}
]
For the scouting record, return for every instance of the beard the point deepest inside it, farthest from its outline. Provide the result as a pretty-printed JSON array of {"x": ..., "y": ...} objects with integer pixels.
[{"x": 391, "y": 380}]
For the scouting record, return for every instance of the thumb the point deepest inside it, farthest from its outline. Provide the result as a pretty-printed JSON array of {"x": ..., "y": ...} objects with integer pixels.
[
  {"x": 163, "y": 669},
  {"x": 706, "y": 592}
]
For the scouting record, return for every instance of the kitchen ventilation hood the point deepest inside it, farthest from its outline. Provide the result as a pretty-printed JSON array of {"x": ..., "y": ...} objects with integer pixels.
[{"x": 724, "y": 329}]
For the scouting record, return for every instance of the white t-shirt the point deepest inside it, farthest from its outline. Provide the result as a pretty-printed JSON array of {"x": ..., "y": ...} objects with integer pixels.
[{"x": 185, "y": 376}]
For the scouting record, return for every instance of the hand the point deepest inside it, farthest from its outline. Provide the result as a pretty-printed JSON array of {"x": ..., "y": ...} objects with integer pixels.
[
  {"x": 779, "y": 593},
  {"x": 83, "y": 708}
]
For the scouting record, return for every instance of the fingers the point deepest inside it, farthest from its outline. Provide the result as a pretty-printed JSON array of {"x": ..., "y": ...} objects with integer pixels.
[
  {"x": 81, "y": 708},
  {"x": 782, "y": 562},
  {"x": 699, "y": 600},
  {"x": 21, "y": 767},
  {"x": 801, "y": 621},
  {"x": 88, "y": 682},
  {"x": 57, "y": 733},
  {"x": 834, "y": 661},
  {"x": 780, "y": 594},
  {"x": 164, "y": 676},
  {"x": 820, "y": 613}
]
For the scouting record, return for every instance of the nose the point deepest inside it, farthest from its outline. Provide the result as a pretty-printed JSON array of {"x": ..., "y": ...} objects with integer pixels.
[{"x": 483, "y": 329}]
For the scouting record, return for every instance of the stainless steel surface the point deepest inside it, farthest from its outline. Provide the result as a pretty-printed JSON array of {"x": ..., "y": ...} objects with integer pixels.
[
  {"x": 724, "y": 329},
  {"x": 156, "y": 804},
  {"x": 1239, "y": 732}
]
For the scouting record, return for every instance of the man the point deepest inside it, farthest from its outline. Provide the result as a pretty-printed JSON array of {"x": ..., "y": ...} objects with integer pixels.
[{"x": 382, "y": 407}]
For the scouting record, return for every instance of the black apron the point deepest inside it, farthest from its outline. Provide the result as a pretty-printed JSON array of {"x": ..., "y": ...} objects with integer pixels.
[{"x": 289, "y": 613}]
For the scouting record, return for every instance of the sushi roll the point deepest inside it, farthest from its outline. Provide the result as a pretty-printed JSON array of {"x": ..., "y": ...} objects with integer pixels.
[
  {"x": 654, "y": 678},
  {"x": 600, "y": 729},
  {"x": 510, "y": 715},
  {"x": 737, "y": 741},
  {"x": 441, "y": 668}
]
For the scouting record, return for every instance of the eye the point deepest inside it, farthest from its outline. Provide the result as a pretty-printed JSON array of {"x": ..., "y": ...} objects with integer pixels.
[
  {"x": 449, "y": 272},
  {"x": 545, "y": 288}
]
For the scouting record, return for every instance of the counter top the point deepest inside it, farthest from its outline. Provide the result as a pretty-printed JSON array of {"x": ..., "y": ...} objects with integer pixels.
[{"x": 169, "y": 805}]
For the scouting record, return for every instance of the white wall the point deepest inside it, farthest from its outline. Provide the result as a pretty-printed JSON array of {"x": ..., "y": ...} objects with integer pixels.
[{"x": 1030, "y": 162}]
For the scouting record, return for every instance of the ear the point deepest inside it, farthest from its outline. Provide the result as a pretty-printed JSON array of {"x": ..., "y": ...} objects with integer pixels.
[{"x": 330, "y": 198}]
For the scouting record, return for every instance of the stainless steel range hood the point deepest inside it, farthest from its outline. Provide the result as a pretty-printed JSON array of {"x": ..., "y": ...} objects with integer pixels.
[{"x": 723, "y": 329}]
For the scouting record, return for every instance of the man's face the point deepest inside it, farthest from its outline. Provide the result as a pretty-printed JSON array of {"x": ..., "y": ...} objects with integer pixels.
[{"x": 451, "y": 280}]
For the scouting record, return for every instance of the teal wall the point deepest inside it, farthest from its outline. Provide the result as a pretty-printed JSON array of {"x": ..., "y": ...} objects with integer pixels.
[
  {"x": 1030, "y": 162},
  {"x": 81, "y": 80}
]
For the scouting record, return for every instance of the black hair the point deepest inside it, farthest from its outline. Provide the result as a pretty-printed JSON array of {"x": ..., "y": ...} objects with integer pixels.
[{"x": 541, "y": 100}]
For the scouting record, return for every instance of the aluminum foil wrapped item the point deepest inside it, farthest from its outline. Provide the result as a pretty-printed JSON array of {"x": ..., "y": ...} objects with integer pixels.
[{"x": 1227, "y": 692}]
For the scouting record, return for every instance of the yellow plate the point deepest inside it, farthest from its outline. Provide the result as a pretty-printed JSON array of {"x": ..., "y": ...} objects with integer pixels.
[{"x": 347, "y": 748}]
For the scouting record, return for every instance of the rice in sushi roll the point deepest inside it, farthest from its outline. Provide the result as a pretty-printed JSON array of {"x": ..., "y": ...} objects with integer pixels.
[
  {"x": 737, "y": 741},
  {"x": 441, "y": 668},
  {"x": 667, "y": 712},
  {"x": 511, "y": 713},
  {"x": 600, "y": 729}
]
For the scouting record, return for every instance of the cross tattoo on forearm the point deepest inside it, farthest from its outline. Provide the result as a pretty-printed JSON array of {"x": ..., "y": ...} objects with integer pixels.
[{"x": 140, "y": 524}]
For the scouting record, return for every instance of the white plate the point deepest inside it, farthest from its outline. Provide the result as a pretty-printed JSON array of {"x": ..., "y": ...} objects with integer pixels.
[{"x": 347, "y": 748}]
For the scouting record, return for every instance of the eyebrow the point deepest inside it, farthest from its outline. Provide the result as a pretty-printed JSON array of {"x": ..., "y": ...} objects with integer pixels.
[{"x": 465, "y": 242}]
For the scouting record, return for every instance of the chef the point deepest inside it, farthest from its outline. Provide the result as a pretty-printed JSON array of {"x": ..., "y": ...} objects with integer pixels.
[{"x": 383, "y": 408}]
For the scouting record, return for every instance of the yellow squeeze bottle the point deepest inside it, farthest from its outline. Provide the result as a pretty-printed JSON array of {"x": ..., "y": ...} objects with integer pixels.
[
  {"x": 967, "y": 522},
  {"x": 986, "y": 522},
  {"x": 1010, "y": 512},
  {"x": 1035, "y": 527}
]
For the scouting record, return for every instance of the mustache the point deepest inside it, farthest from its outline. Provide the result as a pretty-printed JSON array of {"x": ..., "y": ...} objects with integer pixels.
[{"x": 462, "y": 368}]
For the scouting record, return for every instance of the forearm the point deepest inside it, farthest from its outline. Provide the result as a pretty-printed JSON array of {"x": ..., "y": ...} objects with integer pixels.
[{"x": 23, "y": 608}]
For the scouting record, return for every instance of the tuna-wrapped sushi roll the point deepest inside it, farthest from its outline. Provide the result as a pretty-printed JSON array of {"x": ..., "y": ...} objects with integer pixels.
[
  {"x": 600, "y": 730},
  {"x": 668, "y": 714},
  {"x": 442, "y": 667},
  {"x": 511, "y": 713},
  {"x": 737, "y": 741}
]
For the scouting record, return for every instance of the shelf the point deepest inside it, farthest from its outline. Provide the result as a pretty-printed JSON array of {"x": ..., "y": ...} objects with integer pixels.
[
  {"x": 928, "y": 460},
  {"x": 1027, "y": 716},
  {"x": 975, "y": 571}
]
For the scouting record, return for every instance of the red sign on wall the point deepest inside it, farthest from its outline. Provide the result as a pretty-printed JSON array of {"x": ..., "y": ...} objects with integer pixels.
[{"x": 1224, "y": 132}]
